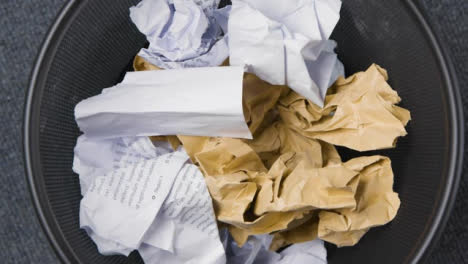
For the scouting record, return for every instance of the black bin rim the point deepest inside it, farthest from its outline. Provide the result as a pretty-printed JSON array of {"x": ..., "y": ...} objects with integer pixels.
[{"x": 32, "y": 160}]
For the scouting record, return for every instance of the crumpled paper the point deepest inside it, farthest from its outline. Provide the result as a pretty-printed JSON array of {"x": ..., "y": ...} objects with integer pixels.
[
  {"x": 286, "y": 42},
  {"x": 185, "y": 221},
  {"x": 182, "y": 33},
  {"x": 122, "y": 182},
  {"x": 259, "y": 97},
  {"x": 254, "y": 200},
  {"x": 359, "y": 113},
  {"x": 376, "y": 204},
  {"x": 233, "y": 186},
  {"x": 143, "y": 195}
]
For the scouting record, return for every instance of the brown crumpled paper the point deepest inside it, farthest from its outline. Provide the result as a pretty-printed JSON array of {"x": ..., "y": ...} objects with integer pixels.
[
  {"x": 288, "y": 181},
  {"x": 359, "y": 113},
  {"x": 259, "y": 98},
  {"x": 356, "y": 194},
  {"x": 376, "y": 204},
  {"x": 234, "y": 173}
]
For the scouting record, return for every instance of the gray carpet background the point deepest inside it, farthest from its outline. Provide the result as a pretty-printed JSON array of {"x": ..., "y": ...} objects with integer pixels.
[{"x": 23, "y": 26}]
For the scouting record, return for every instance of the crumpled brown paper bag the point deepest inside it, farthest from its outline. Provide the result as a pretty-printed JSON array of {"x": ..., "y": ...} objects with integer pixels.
[
  {"x": 376, "y": 204},
  {"x": 306, "y": 232},
  {"x": 234, "y": 173},
  {"x": 259, "y": 97},
  {"x": 256, "y": 201},
  {"x": 359, "y": 113},
  {"x": 288, "y": 180}
]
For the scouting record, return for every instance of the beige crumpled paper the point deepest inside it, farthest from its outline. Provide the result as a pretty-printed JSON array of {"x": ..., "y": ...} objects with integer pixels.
[
  {"x": 234, "y": 173},
  {"x": 259, "y": 98},
  {"x": 376, "y": 204},
  {"x": 288, "y": 181},
  {"x": 359, "y": 113},
  {"x": 356, "y": 194}
]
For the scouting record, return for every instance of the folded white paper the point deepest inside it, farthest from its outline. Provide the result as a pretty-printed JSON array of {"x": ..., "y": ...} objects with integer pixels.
[
  {"x": 146, "y": 197},
  {"x": 255, "y": 251},
  {"x": 120, "y": 205},
  {"x": 185, "y": 230},
  {"x": 192, "y": 101},
  {"x": 182, "y": 33},
  {"x": 286, "y": 42}
]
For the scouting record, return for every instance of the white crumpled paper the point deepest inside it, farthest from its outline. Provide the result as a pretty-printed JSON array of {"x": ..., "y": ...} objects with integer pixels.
[
  {"x": 255, "y": 251},
  {"x": 286, "y": 42},
  {"x": 182, "y": 33},
  {"x": 185, "y": 230},
  {"x": 140, "y": 196},
  {"x": 194, "y": 101}
]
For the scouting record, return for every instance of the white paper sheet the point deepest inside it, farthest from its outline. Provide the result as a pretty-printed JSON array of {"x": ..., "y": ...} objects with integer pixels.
[
  {"x": 255, "y": 251},
  {"x": 193, "y": 101},
  {"x": 286, "y": 42},
  {"x": 121, "y": 204},
  {"x": 99, "y": 157},
  {"x": 185, "y": 230},
  {"x": 146, "y": 197},
  {"x": 182, "y": 33}
]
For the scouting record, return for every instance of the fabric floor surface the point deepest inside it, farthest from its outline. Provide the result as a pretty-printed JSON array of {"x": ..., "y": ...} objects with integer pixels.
[{"x": 24, "y": 26}]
